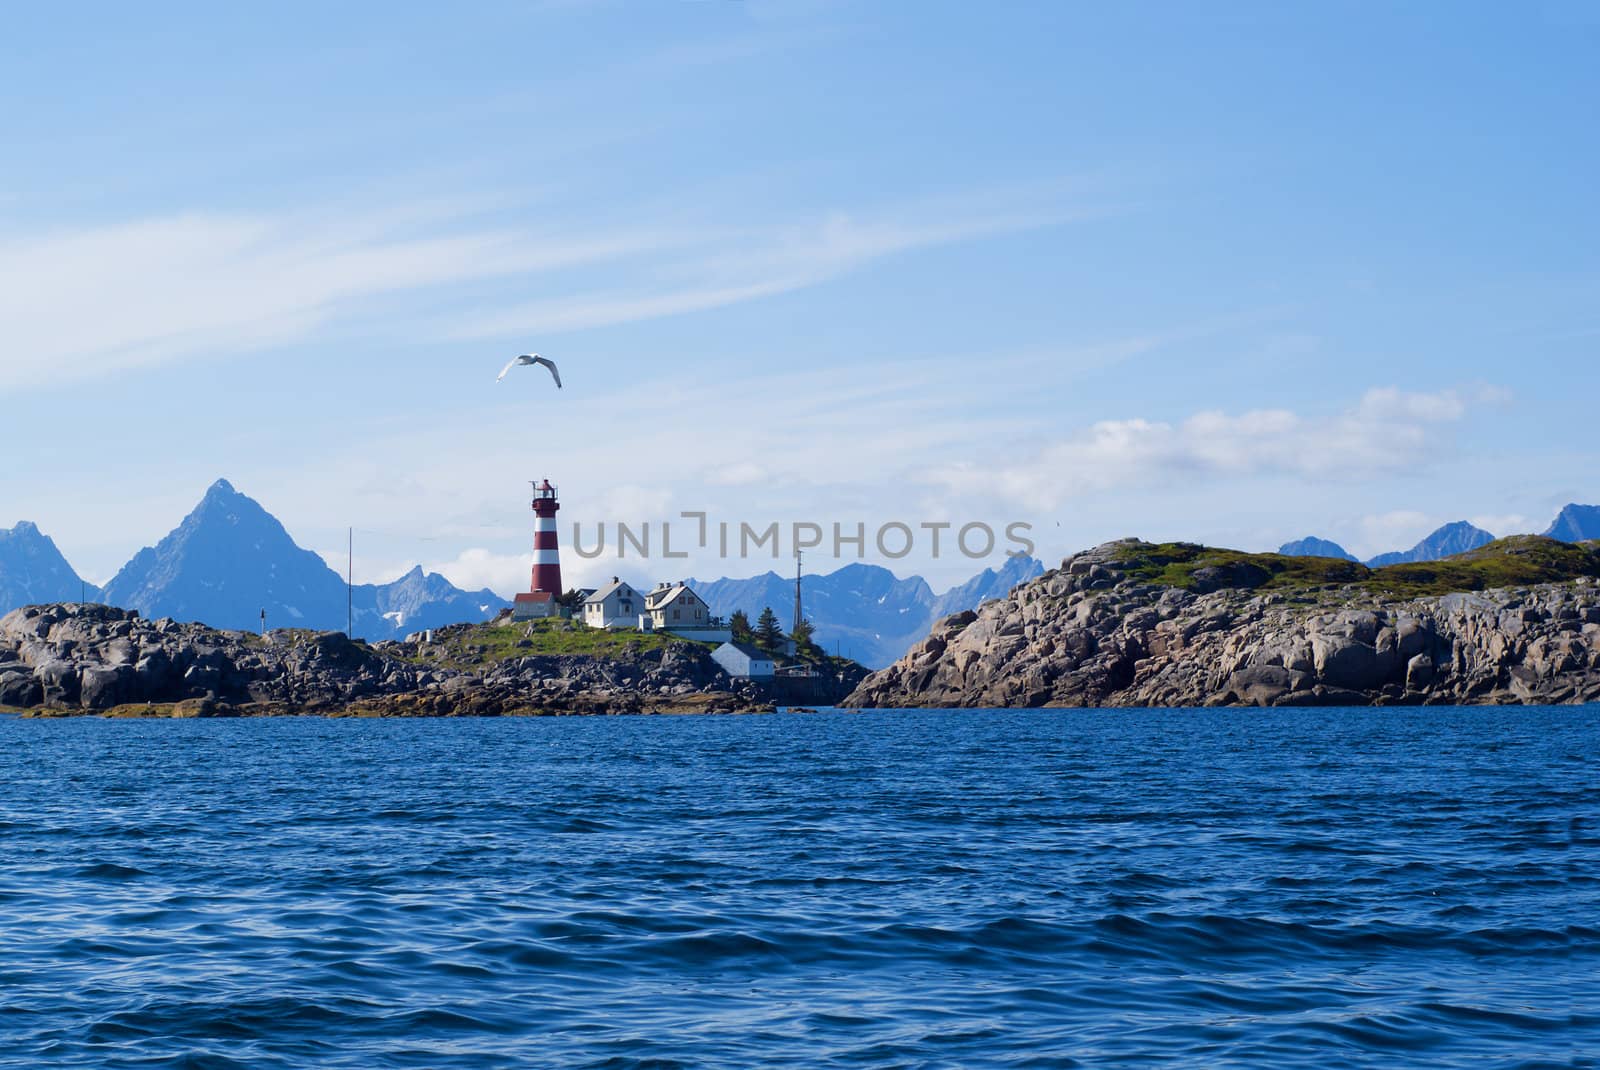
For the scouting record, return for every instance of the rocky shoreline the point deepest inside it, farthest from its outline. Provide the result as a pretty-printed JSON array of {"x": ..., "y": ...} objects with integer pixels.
[
  {"x": 64, "y": 659},
  {"x": 1124, "y": 625}
]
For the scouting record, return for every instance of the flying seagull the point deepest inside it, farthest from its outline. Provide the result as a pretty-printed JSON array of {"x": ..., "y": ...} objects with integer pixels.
[{"x": 532, "y": 358}]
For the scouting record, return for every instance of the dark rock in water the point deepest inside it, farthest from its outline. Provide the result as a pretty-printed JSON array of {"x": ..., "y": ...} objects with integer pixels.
[
  {"x": 1262, "y": 685},
  {"x": 20, "y": 690},
  {"x": 105, "y": 686},
  {"x": 58, "y": 681}
]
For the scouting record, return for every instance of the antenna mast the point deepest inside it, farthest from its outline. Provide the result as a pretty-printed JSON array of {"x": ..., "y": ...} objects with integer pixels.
[{"x": 797, "y": 614}]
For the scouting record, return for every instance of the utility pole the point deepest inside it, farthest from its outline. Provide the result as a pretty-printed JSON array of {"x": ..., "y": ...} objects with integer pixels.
[
  {"x": 350, "y": 585},
  {"x": 797, "y": 617}
]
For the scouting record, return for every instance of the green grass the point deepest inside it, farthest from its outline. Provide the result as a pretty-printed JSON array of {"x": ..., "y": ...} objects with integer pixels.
[
  {"x": 480, "y": 644},
  {"x": 1517, "y": 561},
  {"x": 1173, "y": 564}
]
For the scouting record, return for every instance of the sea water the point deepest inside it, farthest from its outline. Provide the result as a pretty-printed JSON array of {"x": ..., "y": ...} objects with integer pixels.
[{"x": 1303, "y": 888}]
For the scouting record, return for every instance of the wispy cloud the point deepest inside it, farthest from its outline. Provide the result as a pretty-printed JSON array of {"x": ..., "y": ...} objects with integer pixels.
[
  {"x": 80, "y": 303},
  {"x": 1386, "y": 431},
  {"x": 84, "y": 302},
  {"x": 507, "y": 573},
  {"x": 1503, "y": 524},
  {"x": 734, "y": 266},
  {"x": 1398, "y": 529}
]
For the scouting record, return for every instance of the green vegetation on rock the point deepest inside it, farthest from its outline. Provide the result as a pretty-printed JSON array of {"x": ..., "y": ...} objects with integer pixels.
[
  {"x": 478, "y": 644},
  {"x": 1192, "y": 566},
  {"x": 1519, "y": 560}
]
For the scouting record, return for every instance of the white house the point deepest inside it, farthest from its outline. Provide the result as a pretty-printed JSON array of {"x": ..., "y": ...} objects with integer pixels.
[
  {"x": 743, "y": 661},
  {"x": 674, "y": 607},
  {"x": 616, "y": 605}
]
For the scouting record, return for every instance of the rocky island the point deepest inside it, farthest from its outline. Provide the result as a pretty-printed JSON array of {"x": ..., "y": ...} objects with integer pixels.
[
  {"x": 63, "y": 659},
  {"x": 1132, "y": 623}
]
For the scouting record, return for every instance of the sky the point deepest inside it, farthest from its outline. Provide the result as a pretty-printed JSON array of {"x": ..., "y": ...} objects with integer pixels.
[{"x": 1232, "y": 273}]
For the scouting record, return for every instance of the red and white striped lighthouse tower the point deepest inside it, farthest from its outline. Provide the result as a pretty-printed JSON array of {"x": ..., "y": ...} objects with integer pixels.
[{"x": 546, "y": 554}]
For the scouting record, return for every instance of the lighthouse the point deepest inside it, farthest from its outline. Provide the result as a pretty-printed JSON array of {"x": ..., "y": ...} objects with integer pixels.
[
  {"x": 546, "y": 554},
  {"x": 540, "y": 600}
]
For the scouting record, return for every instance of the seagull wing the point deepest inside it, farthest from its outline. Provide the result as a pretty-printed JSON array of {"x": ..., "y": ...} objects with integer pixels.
[
  {"x": 548, "y": 363},
  {"x": 507, "y": 368}
]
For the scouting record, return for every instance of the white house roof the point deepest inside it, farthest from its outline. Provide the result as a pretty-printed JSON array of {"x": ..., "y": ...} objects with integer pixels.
[
  {"x": 662, "y": 597},
  {"x": 753, "y": 653},
  {"x": 605, "y": 592}
]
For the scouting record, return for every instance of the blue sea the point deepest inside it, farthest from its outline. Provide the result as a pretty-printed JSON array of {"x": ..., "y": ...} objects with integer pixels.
[{"x": 1328, "y": 888}]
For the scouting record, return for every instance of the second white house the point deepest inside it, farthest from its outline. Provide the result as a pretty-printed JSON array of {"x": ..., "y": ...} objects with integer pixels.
[{"x": 616, "y": 605}]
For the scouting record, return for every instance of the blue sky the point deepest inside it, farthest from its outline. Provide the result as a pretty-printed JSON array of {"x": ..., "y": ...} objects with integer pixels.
[{"x": 1235, "y": 275}]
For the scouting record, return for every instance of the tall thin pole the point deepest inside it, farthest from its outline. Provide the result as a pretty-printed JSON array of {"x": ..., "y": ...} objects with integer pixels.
[
  {"x": 797, "y": 617},
  {"x": 349, "y": 584}
]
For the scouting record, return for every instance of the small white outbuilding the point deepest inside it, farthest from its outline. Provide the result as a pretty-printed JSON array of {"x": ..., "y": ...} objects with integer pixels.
[{"x": 742, "y": 661}]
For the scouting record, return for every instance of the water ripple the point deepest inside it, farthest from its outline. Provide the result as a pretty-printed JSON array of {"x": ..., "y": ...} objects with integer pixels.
[{"x": 1329, "y": 888}]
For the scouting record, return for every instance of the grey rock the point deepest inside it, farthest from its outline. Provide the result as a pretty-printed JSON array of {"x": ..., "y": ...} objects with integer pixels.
[
  {"x": 1261, "y": 685},
  {"x": 102, "y": 688},
  {"x": 153, "y": 671},
  {"x": 58, "y": 681},
  {"x": 1419, "y": 673},
  {"x": 1071, "y": 638},
  {"x": 19, "y": 689}
]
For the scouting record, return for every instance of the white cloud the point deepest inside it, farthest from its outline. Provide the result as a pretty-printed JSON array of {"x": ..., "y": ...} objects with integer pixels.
[
  {"x": 1386, "y": 431},
  {"x": 1399, "y": 529},
  {"x": 738, "y": 266},
  {"x": 505, "y": 574},
  {"x": 83, "y": 302},
  {"x": 602, "y": 310},
  {"x": 79, "y": 303},
  {"x": 475, "y": 568},
  {"x": 1503, "y": 524},
  {"x": 737, "y": 474}
]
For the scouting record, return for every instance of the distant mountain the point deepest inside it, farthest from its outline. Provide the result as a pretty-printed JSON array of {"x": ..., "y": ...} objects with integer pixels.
[
  {"x": 1311, "y": 546},
  {"x": 1576, "y": 523},
  {"x": 230, "y": 559},
  {"x": 421, "y": 600},
  {"x": 1456, "y": 538},
  {"x": 988, "y": 584},
  {"x": 32, "y": 570},
  {"x": 865, "y": 611}
]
